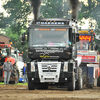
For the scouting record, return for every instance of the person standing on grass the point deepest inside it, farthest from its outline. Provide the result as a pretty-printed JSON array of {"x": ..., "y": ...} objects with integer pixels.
[
  {"x": 7, "y": 67},
  {"x": 24, "y": 73}
]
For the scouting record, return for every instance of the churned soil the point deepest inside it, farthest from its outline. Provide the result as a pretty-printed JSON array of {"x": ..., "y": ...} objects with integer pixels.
[{"x": 21, "y": 92}]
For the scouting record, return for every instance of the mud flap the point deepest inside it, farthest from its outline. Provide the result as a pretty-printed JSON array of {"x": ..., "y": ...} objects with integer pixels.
[
  {"x": 90, "y": 73},
  {"x": 84, "y": 74},
  {"x": 87, "y": 73}
]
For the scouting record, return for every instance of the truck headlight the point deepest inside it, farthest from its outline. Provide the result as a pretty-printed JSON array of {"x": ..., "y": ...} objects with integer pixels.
[
  {"x": 32, "y": 67},
  {"x": 65, "y": 68}
]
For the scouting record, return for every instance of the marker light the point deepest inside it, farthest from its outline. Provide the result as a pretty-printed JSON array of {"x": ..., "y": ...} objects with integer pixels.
[
  {"x": 59, "y": 23},
  {"x": 42, "y": 22},
  {"x": 91, "y": 31}
]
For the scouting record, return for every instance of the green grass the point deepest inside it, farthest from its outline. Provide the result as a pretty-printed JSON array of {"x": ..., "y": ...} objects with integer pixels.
[
  {"x": 14, "y": 84},
  {"x": 21, "y": 84},
  {"x": 1, "y": 83}
]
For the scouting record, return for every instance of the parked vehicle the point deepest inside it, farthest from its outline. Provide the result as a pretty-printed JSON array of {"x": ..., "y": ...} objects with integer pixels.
[{"x": 6, "y": 52}]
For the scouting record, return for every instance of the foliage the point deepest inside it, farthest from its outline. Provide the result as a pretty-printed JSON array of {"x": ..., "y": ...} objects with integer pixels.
[
  {"x": 90, "y": 10},
  {"x": 16, "y": 23},
  {"x": 54, "y": 9}
]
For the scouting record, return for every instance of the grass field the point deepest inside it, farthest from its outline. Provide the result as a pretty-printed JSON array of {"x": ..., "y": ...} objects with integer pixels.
[{"x": 14, "y": 84}]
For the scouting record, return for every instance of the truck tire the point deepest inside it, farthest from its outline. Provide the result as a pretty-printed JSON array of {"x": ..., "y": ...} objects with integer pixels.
[
  {"x": 31, "y": 85},
  {"x": 98, "y": 82},
  {"x": 71, "y": 84},
  {"x": 42, "y": 86},
  {"x": 79, "y": 82}
]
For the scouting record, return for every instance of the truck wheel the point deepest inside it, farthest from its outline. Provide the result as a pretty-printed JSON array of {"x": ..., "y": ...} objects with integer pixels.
[
  {"x": 71, "y": 84},
  {"x": 42, "y": 86},
  {"x": 31, "y": 85},
  {"x": 79, "y": 82},
  {"x": 98, "y": 82}
]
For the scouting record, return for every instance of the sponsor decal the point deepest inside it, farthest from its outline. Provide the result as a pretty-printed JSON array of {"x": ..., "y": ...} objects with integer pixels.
[
  {"x": 82, "y": 52},
  {"x": 87, "y": 58},
  {"x": 44, "y": 56},
  {"x": 49, "y": 51}
]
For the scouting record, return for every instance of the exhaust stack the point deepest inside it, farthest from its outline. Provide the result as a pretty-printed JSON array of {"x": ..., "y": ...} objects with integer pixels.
[
  {"x": 74, "y": 6},
  {"x": 35, "y": 4}
]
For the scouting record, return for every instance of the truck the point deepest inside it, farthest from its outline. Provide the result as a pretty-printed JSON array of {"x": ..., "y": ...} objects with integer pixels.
[
  {"x": 87, "y": 49},
  {"x": 6, "y": 52},
  {"x": 52, "y": 50}
]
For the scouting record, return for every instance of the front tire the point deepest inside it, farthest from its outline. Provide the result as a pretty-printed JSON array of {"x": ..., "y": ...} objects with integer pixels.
[
  {"x": 71, "y": 84},
  {"x": 31, "y": 85},
  {"x": 79, "y": 82},
  {"x": 98, "y": 82}
]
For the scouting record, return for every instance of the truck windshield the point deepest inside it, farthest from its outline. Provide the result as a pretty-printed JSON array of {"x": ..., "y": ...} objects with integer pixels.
[
  {"x": 82, "y": 45},
  {"x": 48, "y": 38}
]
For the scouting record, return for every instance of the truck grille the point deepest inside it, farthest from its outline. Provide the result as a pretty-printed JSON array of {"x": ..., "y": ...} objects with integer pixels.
[{"x": 49, "y": 67}]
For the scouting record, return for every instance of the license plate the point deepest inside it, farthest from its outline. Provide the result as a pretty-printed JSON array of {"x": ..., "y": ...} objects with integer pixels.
[{"x": 49, "y": 74}]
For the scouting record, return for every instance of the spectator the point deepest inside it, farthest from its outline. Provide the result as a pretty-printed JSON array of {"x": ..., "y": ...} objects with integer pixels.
[
  {"x": 7, "y": 67},
  {"x": 24, "y": 73}
]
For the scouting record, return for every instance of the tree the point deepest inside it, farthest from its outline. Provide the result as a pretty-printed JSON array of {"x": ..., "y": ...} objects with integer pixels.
[
  {"x": 16, "y": 23},
  {"x": 54, "y": 9},
  {"x": 91, "y": 10}
]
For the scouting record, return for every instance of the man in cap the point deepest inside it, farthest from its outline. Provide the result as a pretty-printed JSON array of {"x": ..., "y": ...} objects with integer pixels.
[{"x": 7, "y": 67}]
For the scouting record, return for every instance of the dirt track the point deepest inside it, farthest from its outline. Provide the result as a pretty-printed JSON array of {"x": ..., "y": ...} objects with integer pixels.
[{"x": 21, "y": 92}]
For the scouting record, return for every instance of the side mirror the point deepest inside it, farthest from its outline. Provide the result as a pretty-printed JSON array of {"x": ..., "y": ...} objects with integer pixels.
[
  {"x": 77, "y": 37},
  {"x": 23, "y": 37},
  {"x": 96, "y": 47}
]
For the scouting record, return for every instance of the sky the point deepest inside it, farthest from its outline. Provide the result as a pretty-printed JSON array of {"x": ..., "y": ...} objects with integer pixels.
[
  {"x": 85, "y": 26},
  {"x": 1, "y": 8}
]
